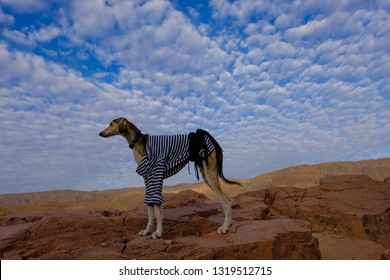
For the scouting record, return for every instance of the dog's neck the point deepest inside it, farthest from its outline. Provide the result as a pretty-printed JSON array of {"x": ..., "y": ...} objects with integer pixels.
[
  {"x": 139, "y": 150},
  {"x": 136, "y": 141}
]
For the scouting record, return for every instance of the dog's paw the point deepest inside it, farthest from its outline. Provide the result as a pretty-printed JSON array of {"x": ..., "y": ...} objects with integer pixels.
[
  {"x": 156, "y": 235},
  {"x": 223, "y": 229},
  {"x": 144, "y": 232}
]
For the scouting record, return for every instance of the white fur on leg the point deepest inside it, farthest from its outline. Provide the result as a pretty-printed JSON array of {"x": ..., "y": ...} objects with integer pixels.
[
  {"x": 149, "y": 227},
  {"x": 210, "y": 176},
  {"x": 157, "y": 212},
  {"x": 227, "y": 209}
]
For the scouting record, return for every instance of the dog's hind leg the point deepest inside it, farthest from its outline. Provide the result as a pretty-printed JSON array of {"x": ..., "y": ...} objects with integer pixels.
[
  {"x": 149, "y": 227},
  {"x": 210, "y": 176},
  {"x": 159, "y": 217}
]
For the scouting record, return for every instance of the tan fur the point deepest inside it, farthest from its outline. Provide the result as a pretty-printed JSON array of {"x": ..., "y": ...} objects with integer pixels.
[{"x": 129, "y": 131}]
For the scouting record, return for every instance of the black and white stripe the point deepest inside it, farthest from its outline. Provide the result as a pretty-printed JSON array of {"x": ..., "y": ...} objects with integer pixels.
[{"x": 165, "y": 156}]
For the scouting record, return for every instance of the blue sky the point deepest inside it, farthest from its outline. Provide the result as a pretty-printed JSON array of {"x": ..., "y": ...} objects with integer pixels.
[{"x": 278, "y": 83}]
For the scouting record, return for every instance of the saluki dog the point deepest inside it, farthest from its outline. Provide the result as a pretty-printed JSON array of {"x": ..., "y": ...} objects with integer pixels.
[{"x": 210, "y": 165}]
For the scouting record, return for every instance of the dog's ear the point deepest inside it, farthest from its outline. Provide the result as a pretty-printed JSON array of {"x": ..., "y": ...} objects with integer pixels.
[{"x": 122, "y": 126}]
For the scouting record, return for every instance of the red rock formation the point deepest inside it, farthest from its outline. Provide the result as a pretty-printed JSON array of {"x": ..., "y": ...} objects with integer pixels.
[
  {"x": 189, "y": 233},
  {"x": 345, "y": 217}
]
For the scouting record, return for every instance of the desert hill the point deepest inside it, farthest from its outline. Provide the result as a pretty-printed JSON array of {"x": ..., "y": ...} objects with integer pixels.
[
  {"x": 327, "y": 211},
  {"x": 302, "y": 176},
  {"x": 308, "y": 175},
  {"x": 70, "y": 200}
]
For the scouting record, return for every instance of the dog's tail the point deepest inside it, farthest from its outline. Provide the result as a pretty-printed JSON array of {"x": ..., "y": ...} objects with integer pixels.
[{"x": 219, "y": 151}]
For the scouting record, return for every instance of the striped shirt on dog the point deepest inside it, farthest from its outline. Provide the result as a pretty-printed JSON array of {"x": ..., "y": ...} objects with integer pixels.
[{"x": 165, "y": 156}]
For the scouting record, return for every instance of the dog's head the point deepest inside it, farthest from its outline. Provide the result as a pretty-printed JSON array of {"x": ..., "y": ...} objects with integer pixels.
[{"x": 116, "y": 127}]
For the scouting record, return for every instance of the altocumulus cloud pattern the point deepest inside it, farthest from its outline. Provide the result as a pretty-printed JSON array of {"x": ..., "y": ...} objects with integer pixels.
[{"x": 278, "y": 83}]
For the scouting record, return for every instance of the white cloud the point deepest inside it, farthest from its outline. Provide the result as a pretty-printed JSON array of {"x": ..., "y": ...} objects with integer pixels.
[
  {"x": 246, "y": 70},
  {"x": 315, "y": 28},
  {"x": 281, "y": 83},
  {"x": 255, "y": 56},
  {"x": 242, "y": 11},
  {"x": 18, "y": 37},
  {"x": 284, "y": 21},
  {"x": 26, "y": 6},
  {"x": 143, "y": 35},
  {"x": 46, "y": 34},
  {"x": 279, "y": 49},
  {"x": 91, "y": 19},
  {"x": 6, "y": 18},
  {"x": 314, "y": 72}
]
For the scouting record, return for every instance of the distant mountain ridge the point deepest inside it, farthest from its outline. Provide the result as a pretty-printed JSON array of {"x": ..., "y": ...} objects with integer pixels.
[
  {"x": 309, "y": 175},
  {"x": 301, "y": 176}
]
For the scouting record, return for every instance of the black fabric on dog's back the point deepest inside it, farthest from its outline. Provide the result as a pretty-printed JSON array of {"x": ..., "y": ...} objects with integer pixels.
[{"x": 197, "y": 144}]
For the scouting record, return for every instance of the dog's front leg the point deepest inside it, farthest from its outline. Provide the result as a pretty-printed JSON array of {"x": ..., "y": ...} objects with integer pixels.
[
  {"x": 149, "y": 227},
  {"x": 157, "y": 212}
]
